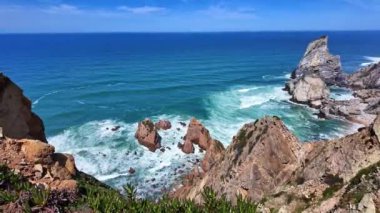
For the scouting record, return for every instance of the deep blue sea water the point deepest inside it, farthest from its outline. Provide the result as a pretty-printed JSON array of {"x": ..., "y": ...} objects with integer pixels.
[{"x": 82, "y": 85}]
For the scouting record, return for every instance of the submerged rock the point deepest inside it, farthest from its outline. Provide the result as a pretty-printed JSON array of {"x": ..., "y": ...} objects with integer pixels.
[
  {"x": 16, "y": 116},
  {"x": 317, "y": 60},
  {"x": 147, "y": 135},
  {"x": 163, "y": 124}
]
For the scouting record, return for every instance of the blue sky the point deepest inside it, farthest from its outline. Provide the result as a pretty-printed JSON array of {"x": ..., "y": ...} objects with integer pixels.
[{"x": 31, "y": 16}]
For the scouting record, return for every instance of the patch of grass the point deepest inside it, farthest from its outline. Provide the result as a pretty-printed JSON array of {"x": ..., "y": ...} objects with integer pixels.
[
  {"x": 335, "y": 184},
  {"x": 330, "y": 191}
]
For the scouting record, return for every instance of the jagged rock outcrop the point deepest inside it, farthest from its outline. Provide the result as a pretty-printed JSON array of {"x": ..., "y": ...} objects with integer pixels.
[
  {"x": 310, "y": 89},
  {"x": 317, "y": 60},
  {"x": 163, "y": 124},
  {"x": 38, "y": 162},
  {"x": 147, "y": 135},
  {"x": 196, "y": 134},
  {"x": 265, "y": 160},
  {"x": 16, "y": 116},
  {"x": 262, "y": 156},
  {"x": 366, "y": 78}
]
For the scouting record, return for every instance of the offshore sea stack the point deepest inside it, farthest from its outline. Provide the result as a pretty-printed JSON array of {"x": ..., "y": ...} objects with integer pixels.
[
  {"x": 16, "y": 117},
  {"x": 318, "y": 69},
  {"x": 147, "y": 135},
  {"x": 317, "y": 60},
  {"x": 265, "y": 160}
]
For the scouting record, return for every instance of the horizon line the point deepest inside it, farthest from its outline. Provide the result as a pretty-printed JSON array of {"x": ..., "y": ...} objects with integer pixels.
[{"x": 187, "y": 32}]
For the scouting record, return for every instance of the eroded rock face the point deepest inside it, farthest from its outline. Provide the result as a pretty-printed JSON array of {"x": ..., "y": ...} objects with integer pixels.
[
  {"x": 366, "y": 78},
  {"x": 197, "y": 134},
  {"x": 213, "y": 155},
  {"x": 309, "y": 89},
  {"x": 262, "y": 155},
  {"x": 163, "y": 124},
  {"x": 16, "y": 116},
  {"x": 37, "y": 161},
  {"x": 317, "y": 60},
  {"x": 147, "y": 135},
  {"x": 265, "y": 160}
]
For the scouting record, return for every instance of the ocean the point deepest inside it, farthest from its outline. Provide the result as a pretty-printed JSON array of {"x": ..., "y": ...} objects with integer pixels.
[{"x": 82, "y": 85}]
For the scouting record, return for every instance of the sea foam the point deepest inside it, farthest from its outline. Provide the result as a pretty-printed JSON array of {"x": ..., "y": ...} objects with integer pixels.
[{"x": 372, "y": 60}]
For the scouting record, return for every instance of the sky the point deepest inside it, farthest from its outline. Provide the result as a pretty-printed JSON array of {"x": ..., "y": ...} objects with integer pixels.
[{"x": 55, "y": 16}]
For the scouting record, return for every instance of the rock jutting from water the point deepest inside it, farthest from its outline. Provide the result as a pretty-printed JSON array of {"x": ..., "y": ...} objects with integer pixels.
[
  {"x": 163, "y": 124},
  {"x": 147, "y": 135},
  {"x": 317, "y": 60},
  {"x": 318, "y": 69}
]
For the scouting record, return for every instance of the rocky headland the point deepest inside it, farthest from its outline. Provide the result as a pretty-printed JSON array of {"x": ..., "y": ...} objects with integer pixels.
[{"x": 266, "y": 168}]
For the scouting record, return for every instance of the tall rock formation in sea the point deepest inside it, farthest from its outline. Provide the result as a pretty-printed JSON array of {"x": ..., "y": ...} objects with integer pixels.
[
  {"x": 318, "y": 60},
  {"x": 16, "y": 116}
]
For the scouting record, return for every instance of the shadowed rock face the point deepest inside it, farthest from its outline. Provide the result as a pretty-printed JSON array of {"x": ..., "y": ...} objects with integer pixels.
[
  {"x": 318, "y": 60},
  {"x": 366, "y": 78},
  {"x": 16, "y": 116}
]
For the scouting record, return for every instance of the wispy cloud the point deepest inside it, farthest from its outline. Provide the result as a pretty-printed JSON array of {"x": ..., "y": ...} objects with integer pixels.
[
  {"x": 141, "y": 10},
  {"x": 63, "y": 8},
  {"x": 366, "y": 4},
  {"x": 220, "y": 12}
]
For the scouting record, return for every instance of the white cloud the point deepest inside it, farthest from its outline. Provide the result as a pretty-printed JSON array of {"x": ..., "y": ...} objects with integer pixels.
[
  {"x": 141, "y": 10},
  {"x": 63, "y": 8},
  {"x": 219, "y": 12}
]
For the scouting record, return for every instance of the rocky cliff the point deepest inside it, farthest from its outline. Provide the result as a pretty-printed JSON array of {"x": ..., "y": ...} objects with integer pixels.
[
  {"x": 16, "y": 117},
  {"x": 267, "y": 163}
]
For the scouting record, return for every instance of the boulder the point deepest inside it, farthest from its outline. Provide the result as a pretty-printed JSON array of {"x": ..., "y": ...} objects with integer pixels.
[
  {"x": 16, "y": 116},
  {"x": 163, "y": 124},
  {"x": 36, "y": 150},
  {"x": 310, "y": 88},
  {"x": 197, "y": 134},
  {"x": 147, "y": 135},
  {"x": 317, "y": 60},
  {"x": 66, "y": 161},
  {"x": 365, "y": 78}
]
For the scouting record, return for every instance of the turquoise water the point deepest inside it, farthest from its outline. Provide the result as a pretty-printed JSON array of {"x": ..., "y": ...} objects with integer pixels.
[{"x": 82, "y": 85}]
